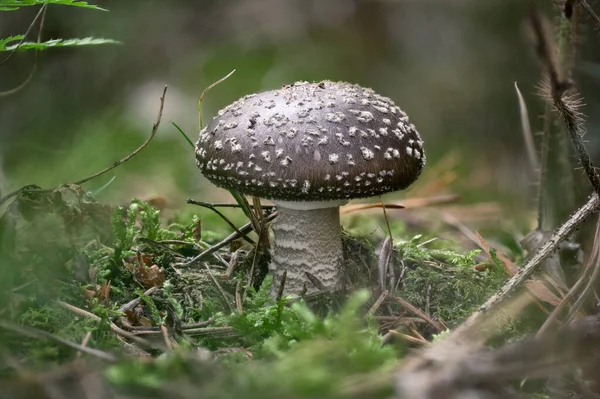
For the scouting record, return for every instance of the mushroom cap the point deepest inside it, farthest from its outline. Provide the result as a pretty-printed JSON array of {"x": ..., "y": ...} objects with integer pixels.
[{"x": 311, "y": 142}]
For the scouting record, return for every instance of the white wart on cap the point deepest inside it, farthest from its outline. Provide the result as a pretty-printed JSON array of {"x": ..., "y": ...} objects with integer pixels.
[{"x": 311, "y": 142}]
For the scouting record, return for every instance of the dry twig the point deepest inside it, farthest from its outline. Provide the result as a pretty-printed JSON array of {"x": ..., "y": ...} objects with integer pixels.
[
  {"x": 137, "y": 150},
  {"x": 450, "y": 371},
  {"x": 378, "y": 303},
  {"x": 38, "y": 190},
  {"x": 590, "y": 11},
  {"x": 40, "y": 334},
  {"x": 234, "y": 236},
  {"x": 113, "y": 327},
  {"x": 134, "y": 302},
  {"x": 592, "y": 264},
  {"x": 225, "y": 218},
  {"x": 218, "y": 286},
  {"x": 437, "y": 326},
  {"x": 530, "y": 267},
  {"x": 42, "y": 13}
]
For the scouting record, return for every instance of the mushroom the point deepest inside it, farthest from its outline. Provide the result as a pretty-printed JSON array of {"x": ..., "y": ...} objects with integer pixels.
[{"x": 310, "y": 147}]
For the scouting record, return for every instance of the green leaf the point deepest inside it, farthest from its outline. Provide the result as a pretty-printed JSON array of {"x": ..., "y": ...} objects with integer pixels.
[
  {"x": 11, "y": 5},
  {"x": 185, "y": 136},
  {"x": 242, "y": 202},
  {"x": 4, "y": 42},
  {"x": 87, "y": 41}
]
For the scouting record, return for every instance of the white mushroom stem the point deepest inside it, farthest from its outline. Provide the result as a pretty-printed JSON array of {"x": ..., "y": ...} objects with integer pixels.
[{"x": 306, "y": 241}]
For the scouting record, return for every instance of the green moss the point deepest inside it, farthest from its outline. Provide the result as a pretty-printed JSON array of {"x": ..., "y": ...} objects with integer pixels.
[
  {"x": 305, "y": 356},
  {"x": 305, "y": 353},
  {"x": 445, "y": 282}
]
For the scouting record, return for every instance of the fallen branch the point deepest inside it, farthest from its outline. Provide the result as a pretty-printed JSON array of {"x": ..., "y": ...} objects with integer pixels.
[
  {"x": 590, "y": 11},
  {"x": 245, "y": 229},
  {"x": 136, "y": 301},
  {"x": 437, "y": 326},
  {"x": 378, "y": 303},
  {"x": 40, "y": 334},
  {"x": 530, "y": 267},
  {"x": 113, "y": 327},
  {"x": 592, "y": 266},
  {"x": 455, "y": 371}
]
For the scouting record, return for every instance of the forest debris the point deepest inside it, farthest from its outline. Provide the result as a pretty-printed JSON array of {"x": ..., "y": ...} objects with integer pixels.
[
  {"x": 453, "y": 371},
  {"x": 531, "y": 266},
  {"x": 437, "y": 325},
  {"x": 378, "y": 303},
  {"x": 145, "y": 271},
  {"x": 407, "y": 203},
  {"x": 535, "y": 286},
  {"x": 385, "y": 265},
  {"x": 40, "y": 334}
]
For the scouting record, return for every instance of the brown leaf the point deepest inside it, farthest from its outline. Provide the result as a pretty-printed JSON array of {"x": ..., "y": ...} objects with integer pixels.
[
  {"x": 131, "y": 316},
  {"x": 151, "y": 276},
  {"x": 158, "y": 201},
  {"x": 197, "y": 230},
  {"x": 89, "y": 294},
  {"x": 144, "y": 271},
  {"x": 509, "y": 266},
  {"x": 536, "y": 287},
  {"x": 103, "y": 293},
  {"x": 541, "y": 292},
  {"x": 481, "y": 267}
]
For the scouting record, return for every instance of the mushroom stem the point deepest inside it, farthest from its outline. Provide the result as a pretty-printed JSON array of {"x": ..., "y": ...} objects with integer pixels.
[{"x": 306, "y": 241}]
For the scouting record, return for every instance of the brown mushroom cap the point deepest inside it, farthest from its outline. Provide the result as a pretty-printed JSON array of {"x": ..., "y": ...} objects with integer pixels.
[{"x": 311, "y": 142}]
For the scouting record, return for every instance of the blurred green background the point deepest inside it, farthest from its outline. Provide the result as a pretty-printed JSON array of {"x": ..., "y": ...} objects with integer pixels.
[{"x": 450, "y": 64}]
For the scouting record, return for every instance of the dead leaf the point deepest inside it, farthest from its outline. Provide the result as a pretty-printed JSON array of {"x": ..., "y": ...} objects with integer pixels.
[
  {"x": 144, "y": 271},
  {"x": 509, "y": 266},
  {"x": 103, "y": 293},
  {"x": 536, "y": 287},
  {"x": 541, "y": 292}
]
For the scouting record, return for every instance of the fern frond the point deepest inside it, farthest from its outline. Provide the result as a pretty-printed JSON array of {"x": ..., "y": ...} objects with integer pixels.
[
  {"x": 87, "y": 41},
  {"x": 12, "y": 5},
  {"x": 4, "y": 42}
]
